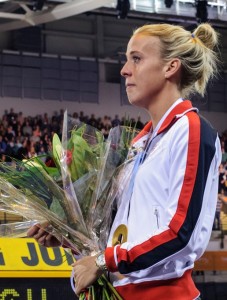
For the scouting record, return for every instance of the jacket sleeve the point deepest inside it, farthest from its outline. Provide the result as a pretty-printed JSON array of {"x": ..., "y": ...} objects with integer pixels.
[{"x": 194, "y": 161}]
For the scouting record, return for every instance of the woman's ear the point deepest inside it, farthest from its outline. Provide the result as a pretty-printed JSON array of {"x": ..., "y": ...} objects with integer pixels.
[{"x": 172, "y": 68}]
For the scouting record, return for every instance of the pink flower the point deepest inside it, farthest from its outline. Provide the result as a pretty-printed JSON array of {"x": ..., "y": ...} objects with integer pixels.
[{"x": 68, "y": 157}]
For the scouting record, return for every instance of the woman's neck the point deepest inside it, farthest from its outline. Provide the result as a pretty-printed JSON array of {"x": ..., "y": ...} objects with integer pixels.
[{"x": 157, "y": 109}]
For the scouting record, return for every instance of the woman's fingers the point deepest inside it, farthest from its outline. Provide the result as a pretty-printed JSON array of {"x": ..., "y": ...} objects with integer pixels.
[
  {"x": 41, "y": 240},
  {"x": 80, "y": 283},
  {"x": 51, "y": 241},
  {"x": 33, "y": 230},
  {"x": 36, "y": 232},
  {"x": 42, "y": 236}
]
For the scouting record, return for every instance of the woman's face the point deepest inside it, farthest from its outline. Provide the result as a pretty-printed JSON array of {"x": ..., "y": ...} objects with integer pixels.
[{"x": 144, "y": 70}]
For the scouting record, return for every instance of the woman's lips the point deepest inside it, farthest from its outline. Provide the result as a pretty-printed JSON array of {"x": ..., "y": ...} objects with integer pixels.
[{"x": 129, "y": 85}]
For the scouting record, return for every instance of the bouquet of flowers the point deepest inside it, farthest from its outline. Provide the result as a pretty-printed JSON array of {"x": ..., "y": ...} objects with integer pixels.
[{"x": 74, "y": 199}]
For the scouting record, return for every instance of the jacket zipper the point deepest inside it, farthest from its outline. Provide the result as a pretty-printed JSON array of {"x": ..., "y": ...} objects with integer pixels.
[{"x": 157, "y": 217}]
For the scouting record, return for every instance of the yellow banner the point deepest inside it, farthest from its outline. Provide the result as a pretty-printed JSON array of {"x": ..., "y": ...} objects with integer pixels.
[{"x": 24, "y": 257}]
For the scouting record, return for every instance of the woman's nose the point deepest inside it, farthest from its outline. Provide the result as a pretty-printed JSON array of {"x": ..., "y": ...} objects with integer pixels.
[{"x": 125, "y": 72}]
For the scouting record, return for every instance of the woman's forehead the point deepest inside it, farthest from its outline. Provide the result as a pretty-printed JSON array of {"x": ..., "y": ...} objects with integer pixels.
[{"x": 143, "y": 43}]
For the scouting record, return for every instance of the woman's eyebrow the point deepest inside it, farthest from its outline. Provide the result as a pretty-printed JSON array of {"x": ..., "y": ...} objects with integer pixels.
[{"x": 132, "y": 52}]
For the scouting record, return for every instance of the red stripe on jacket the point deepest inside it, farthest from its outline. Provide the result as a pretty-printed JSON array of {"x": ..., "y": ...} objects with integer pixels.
[{"x": 182, "y": 288}]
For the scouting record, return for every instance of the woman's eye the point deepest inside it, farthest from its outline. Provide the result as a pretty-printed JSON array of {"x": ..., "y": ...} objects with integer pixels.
[{"x": 136, "y": 59}]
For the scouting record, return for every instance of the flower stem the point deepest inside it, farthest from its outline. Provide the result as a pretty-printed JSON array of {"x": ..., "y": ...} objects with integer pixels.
[{"x": 112, "y": 288}]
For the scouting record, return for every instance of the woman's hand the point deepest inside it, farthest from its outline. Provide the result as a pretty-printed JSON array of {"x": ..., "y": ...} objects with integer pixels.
[
  {"x": 43, "y": 237},
  {"x": 85, "y": 273}
]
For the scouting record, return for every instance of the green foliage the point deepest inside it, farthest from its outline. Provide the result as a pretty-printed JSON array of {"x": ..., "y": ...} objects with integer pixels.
[
  {"x": 56, "y": 208},
  {"x": 102, "y": 289},
  {"x": 83, "y": 152},
  {"x": 57, "y": 150}
]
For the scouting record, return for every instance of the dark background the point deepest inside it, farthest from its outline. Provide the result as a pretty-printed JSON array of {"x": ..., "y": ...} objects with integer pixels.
[{"x": 56, "y": 289}]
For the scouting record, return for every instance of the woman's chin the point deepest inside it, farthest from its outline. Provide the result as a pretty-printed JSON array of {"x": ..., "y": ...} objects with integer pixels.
[{"x": 136, "y": 102}]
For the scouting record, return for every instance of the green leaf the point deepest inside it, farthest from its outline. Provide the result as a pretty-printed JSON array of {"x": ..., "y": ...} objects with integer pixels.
[
  {"x": 78, "y": 167},
  {"x": 57, "y": 149},
  {"x": 56, "y": 208}
]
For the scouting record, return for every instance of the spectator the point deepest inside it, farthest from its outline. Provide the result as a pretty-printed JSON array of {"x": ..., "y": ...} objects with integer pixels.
[
  {"x": 106, "y": 122},
  {"x": 11, "y": 116},
  {"x": 5, "y": 121},
  {"x": 20, "y": 118},
  {"x": 2, "y": 130},
  {"x": 27, "y": 129},
  {"x": 45, "y": 122},
  {"x": 224, "y": 153},
  {"x": 22, "y": 152},
  {"x": 42, "y": 154},
  {"x": 223, "y": 216},
  {"x": 105, "y": 131},
  {"x": 17, "y": 145},
  {"x": 116, "y": 121},
  {"x": 32, "y": 151},
  {"x": 222, "y": 177},
  {"x": 2, "y": 145},
  {"x": 92, "y": 121},
  {"x": 217, "y": 222},
  {"x": 60, "y": 117},
  {"x": 10, "y": 134},
  {"x": 55, "y": 126},
  {"x": 81, "y": 116},
  {"x": 76, "y": 118},
  {"x": 36, "y": 134},
  {"x": 10, "y": 150}
]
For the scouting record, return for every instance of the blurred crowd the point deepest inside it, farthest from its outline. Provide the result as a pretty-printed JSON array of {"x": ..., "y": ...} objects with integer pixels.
[
  {"x": 223, "y": 167},
  {"x": 220, "y": 220},
  {"x": 24, "y": 137}
]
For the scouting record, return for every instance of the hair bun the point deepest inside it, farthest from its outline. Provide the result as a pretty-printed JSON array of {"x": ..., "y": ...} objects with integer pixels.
[{"x": 207, "y": 35}]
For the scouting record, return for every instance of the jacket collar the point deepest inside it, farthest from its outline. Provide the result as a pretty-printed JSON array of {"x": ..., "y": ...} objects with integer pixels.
[{"x": 176, "y": 113}]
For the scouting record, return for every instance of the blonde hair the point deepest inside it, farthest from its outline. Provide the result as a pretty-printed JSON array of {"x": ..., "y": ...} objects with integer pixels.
[{"x": 195, "y": 50}]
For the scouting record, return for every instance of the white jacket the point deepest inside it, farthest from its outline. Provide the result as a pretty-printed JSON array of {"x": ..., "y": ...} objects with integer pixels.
[{"x": 170, "y": 211}]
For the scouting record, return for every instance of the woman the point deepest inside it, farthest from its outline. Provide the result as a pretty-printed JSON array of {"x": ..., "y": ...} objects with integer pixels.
[{"x": 167, "y": 216}]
